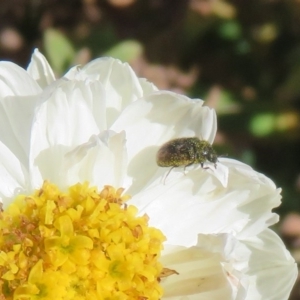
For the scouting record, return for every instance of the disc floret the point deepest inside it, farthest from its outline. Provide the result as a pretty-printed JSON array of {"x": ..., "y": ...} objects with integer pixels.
[{"x": 81, "y": 243}]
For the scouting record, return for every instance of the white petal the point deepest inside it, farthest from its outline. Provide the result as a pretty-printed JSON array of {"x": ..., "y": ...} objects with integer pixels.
[
  {"x": 15, "y": 81},
  {"x": 101, "y": 161},
  {"x": 61, "y": 123},
  {"x": 253, "y": 269},
  {"x": 40, "y": 70},
  {"x": 263, "y": 196},
  {"x": 147, "y": 87},
  {"x": 13, "y": 175},
  {"x": 16, "y": 114},
  {"x": 201, "y": 273},
  {"x": 221, "y": 172},
  {"x": 198, "y": 203},
  {"x": 157, "y": 118},
  {"x": 121, "y": 84},
  {"x": 271, "y": 269}
]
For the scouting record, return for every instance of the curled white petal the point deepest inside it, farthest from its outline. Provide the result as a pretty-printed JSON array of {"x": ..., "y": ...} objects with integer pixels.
[
  {"x": 40, "y": 70},
  {"x": 155, "y": 119},
  {"x": 15, "y": 81},
  {"x": 101, "y": 161},
  {"x": 271, "y": 269},
  {"x": 201, "y": 272},
  {"x": 18, "y": 112},
  {"x": 223, "y": 267},
  {"x": 13, "y": 175},
  {"x": 61, "y": 122},
  {"x": 122, "y": 86},
  {"x": 198, "y": 202}
]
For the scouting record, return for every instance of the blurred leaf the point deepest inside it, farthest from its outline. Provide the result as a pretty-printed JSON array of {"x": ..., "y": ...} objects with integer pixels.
[
  {"x": 223, "y": 9},
  {"x": 126, "y": 50},
  {"x": 263, "y": 124},
  {"x": 243, "y": 47},
  {"x": 248, "y": 157},
  {"x": 227, "y": 103},
  {"x": 291, "y": 87},
  {"x": 287, "y": 121},
  {"x": 266, "y": 33},
  {"x": 59, "y": 50},
  {"x": 230, "y": 30}
]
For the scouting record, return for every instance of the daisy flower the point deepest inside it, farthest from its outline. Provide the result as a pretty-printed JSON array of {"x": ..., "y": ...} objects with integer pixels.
[{"x": 88, "y": 214}]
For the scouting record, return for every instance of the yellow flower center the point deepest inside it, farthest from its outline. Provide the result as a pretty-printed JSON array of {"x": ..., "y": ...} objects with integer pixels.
[{"x": 82, "y": 244}]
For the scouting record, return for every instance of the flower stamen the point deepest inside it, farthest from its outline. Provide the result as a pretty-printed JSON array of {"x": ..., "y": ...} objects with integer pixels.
[{"x": 82, "y": 243}]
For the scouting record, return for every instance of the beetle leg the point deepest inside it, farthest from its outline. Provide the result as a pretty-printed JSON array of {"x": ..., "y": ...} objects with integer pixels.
[
  {"x": 164, "y": 181},
  {"x": 202, "y": 166}
]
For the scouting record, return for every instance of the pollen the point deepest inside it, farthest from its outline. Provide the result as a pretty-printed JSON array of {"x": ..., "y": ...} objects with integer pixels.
[{"x": 80, "y": 244}]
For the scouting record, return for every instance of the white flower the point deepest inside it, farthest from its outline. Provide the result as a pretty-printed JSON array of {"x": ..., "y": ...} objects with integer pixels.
[{"x": 102, "y": 124}]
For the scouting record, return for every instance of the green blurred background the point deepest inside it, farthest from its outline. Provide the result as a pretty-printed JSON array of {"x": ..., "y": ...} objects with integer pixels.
[{"x": 242, "y": 57}]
